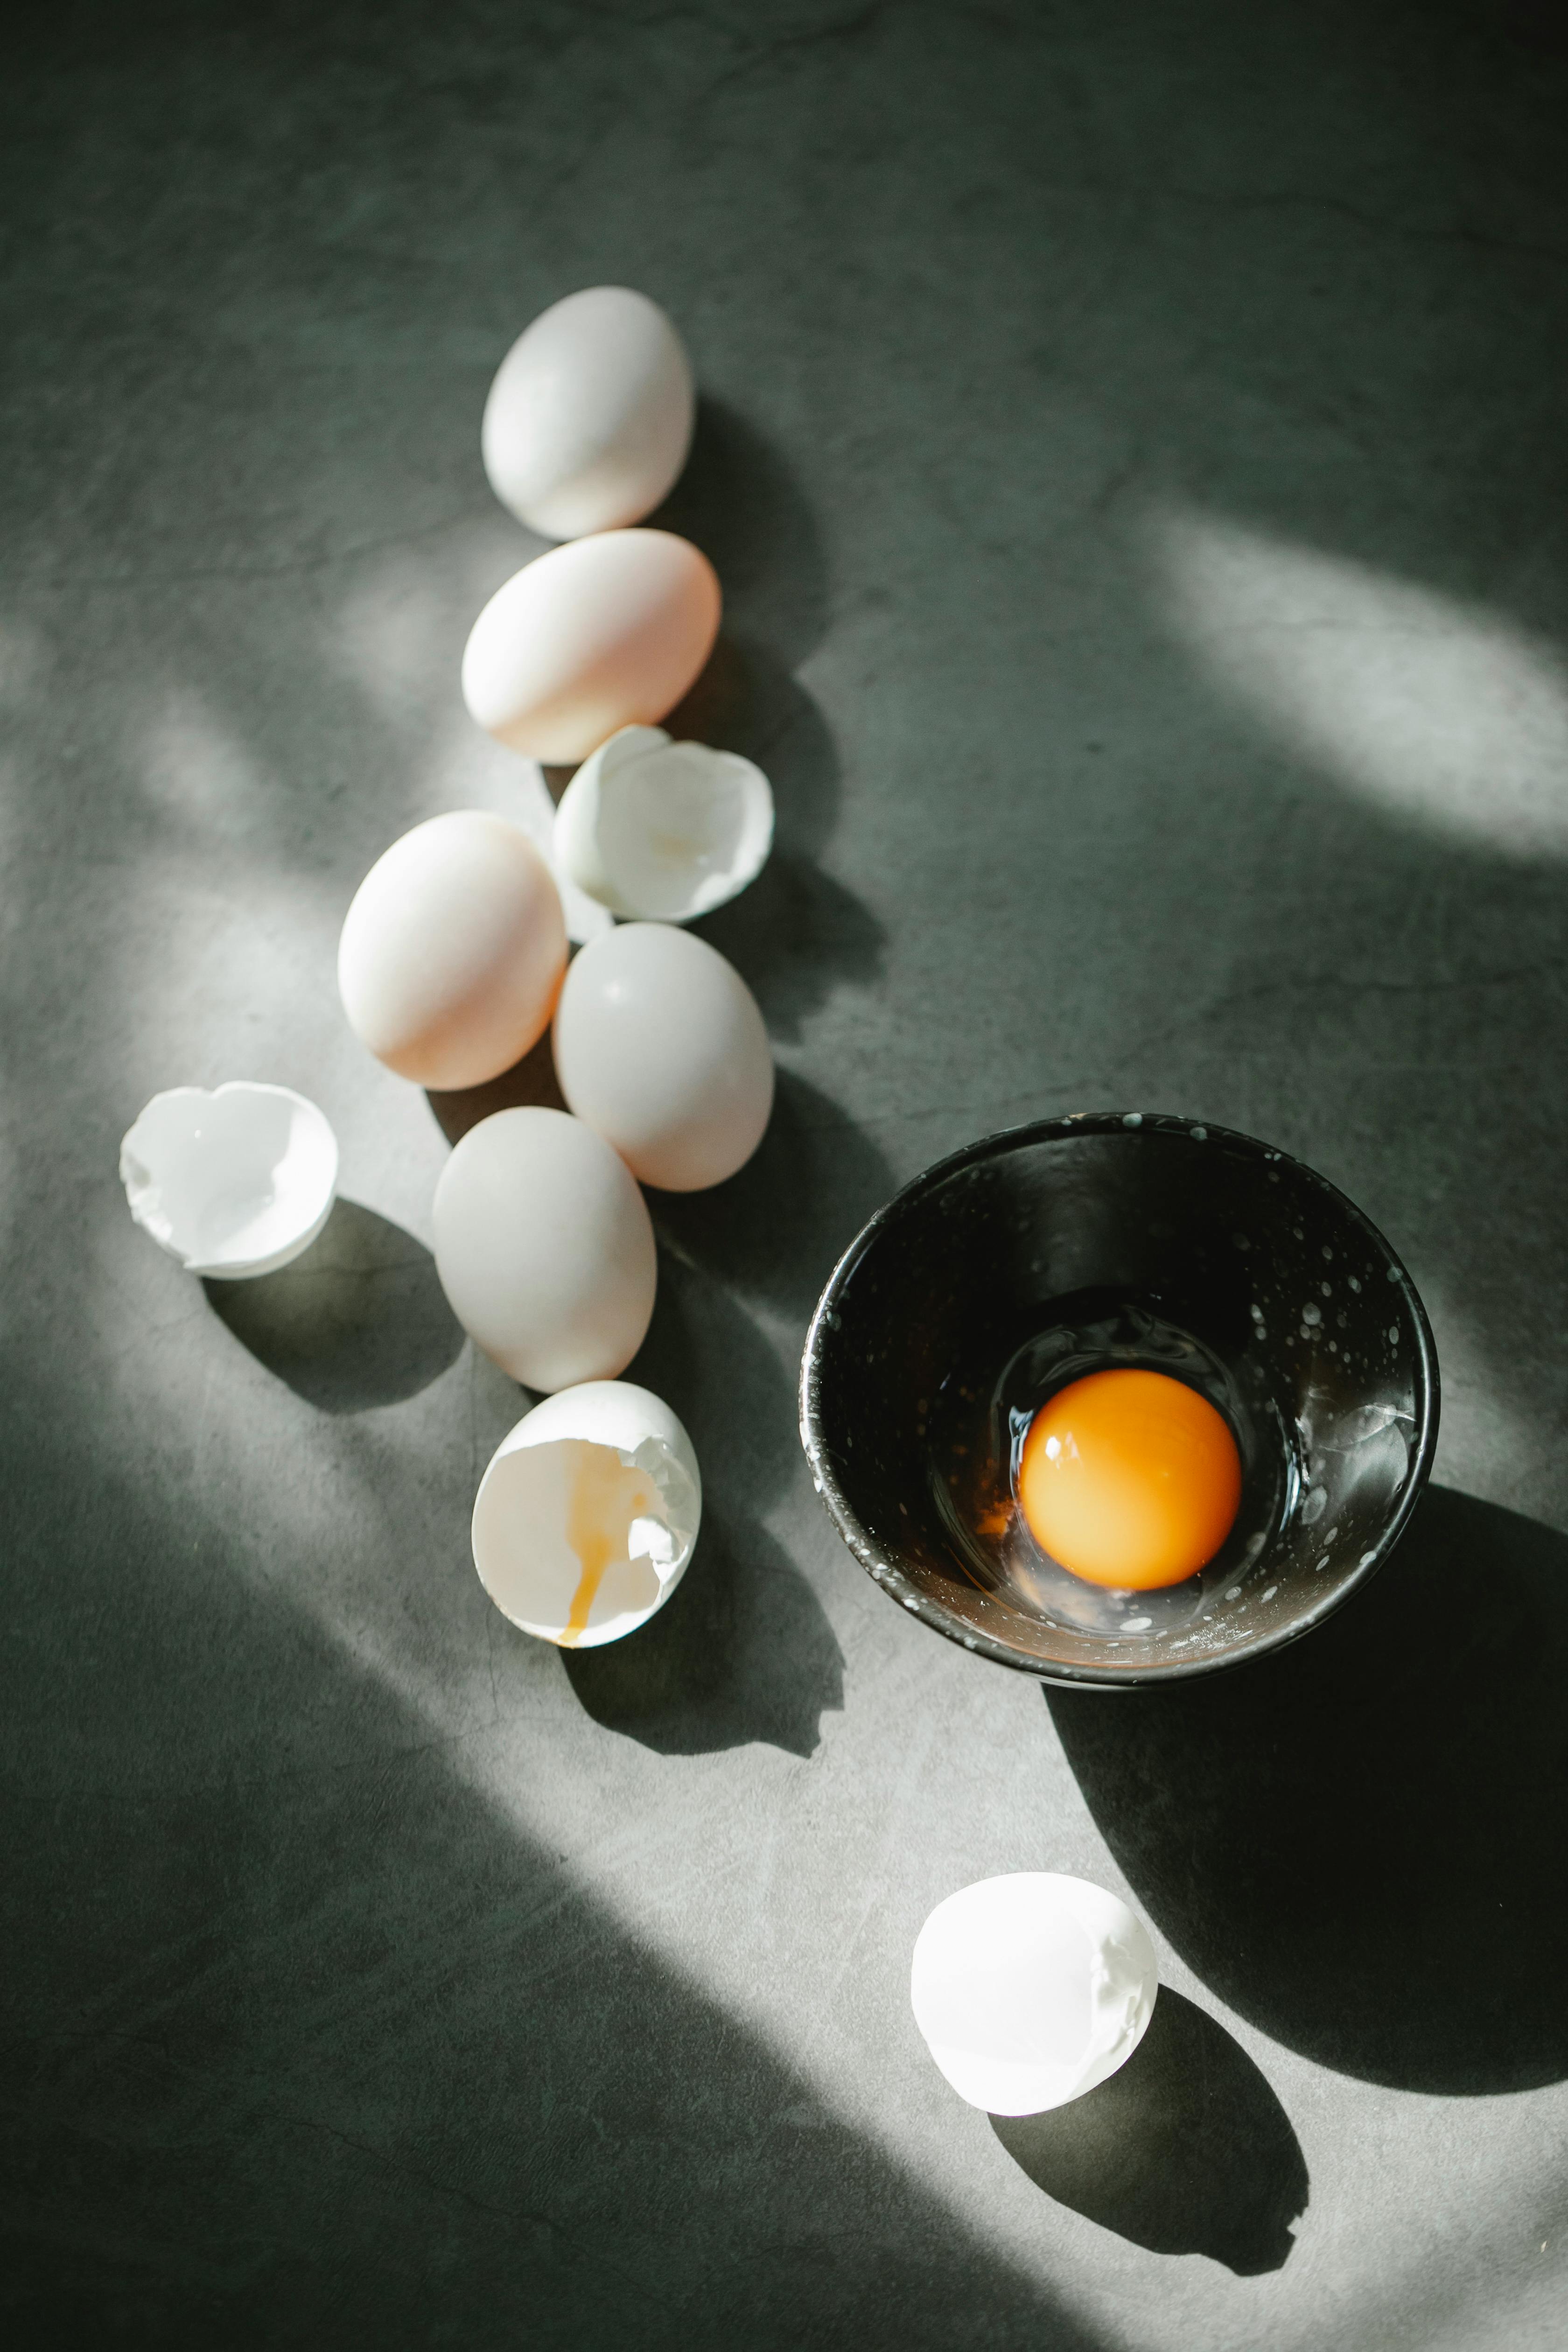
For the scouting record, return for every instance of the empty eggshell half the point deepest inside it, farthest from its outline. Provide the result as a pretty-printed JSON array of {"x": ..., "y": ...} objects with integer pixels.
[
  {"x": 452, "y": 950},
  {"x": 604, "y": 633},
  {"x": 1031, "y": 1989},
  {"x": 661, "y": 1047},
  {"x": 587, "y": 1516},
  {"x": 665, "y": 830},
  {"x": 232, "y": 1183},
  {"x": 545, "y": 1248},
  {"x": 589, "y": 418}
]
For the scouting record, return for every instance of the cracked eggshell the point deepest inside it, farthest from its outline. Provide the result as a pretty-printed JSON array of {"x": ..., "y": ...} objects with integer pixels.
[
  {"x": 588, "y": 1514},
  {"x": 232, "y": 1183},
  {"x": 668, "y": 831},
  {"x": 661, "y": 1047},
  {"x": 1032, "y": 1988},
  {"x": 452, "y": 951},
  {"x": 589, "y": 419},
  {"x": 545, "y": 1248},
  {"x": 605, "y": 633}
]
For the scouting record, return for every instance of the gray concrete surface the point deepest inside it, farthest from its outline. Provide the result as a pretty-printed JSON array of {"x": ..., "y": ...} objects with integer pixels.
[{"x": 1134, "y": 450}]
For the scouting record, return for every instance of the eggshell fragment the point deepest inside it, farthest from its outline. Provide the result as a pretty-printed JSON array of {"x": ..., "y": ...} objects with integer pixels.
[
  {"x": 545, "y": 1248},
  {"x": 605, "y": 633},
  {"x": 587, "y": 1514},
  {"x": 664, "y": 830},
  {"x": 232, "y": 1183},
  {"x": 661, "y": 1047},
  {"x": 452, "y": 950},
  {"x": 1031, "y": 1989},
  {"x": 589, "y": 419}
]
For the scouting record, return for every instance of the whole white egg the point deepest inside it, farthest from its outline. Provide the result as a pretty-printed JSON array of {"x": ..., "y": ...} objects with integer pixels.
[
  {"x": 587, "y": 1514},
  {"x": 605, "y": 633},
  {"x": 1031, "y": 1989},
  {"x": 545, "y": 1248},
  {"x": 452, "y": 950},
  {"x": 589, "y": 419},
  {"x": 659, "y": 1046}
]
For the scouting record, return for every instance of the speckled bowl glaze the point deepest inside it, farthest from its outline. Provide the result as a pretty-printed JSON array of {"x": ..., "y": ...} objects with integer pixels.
[{"x": 1299, "y": 1316}]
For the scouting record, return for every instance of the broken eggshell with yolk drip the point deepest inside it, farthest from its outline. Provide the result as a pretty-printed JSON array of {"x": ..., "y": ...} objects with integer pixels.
[
  {"x": 662, "y": 830},
  {"x": 1032, "y": 1988},
  {"x": 587, "y": 1514},
  {"x": 232, "y": 1183}
]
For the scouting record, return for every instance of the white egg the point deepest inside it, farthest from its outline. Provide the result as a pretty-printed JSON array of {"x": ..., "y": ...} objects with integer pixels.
[
  {"x": 232, "y": 1183},
  {"x": 545, "y": 1248},
  {"x": 452, "y": 950},
  {"x": 664, "y": 830},
  {"x": 661, "y": 1047},
  {"x": 606, "y": 632},
  {"x": 587, "y": 1516},
  {"x": 1031, "y": 1989},
  {"x": 589, "y": 418}
]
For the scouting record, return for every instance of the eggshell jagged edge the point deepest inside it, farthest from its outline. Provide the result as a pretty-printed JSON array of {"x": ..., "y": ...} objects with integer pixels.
[
  {"x": 588, "y": 855},
  {"x": 642, "y": 1432}
]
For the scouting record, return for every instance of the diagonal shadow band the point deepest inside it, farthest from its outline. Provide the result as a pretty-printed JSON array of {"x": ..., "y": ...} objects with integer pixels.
[
  {"x": 1185, "y": 2150},
  {"x": 359, "y": 1321},
  {"x": 1354, "y": 1844}
]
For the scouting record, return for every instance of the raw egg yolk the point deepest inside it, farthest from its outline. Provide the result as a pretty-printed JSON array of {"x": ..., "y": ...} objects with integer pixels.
[{"x": 1129, "y": 1479}]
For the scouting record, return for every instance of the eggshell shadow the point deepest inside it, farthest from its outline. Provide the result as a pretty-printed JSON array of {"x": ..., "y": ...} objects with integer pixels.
[
  {"x": 357, "y": 1320},
  {"x": 1184, "y": 2150},
  {"x": 741, "y": 1651}
]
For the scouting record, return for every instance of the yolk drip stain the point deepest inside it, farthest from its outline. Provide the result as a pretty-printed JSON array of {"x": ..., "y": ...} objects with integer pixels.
[
  {"x": 1130, "y": 1479},
  {"x": 604, "y": 1494}
]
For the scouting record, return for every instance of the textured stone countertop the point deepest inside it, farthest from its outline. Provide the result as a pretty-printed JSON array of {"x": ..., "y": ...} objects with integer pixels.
[{"x": 1132, "y": 443}]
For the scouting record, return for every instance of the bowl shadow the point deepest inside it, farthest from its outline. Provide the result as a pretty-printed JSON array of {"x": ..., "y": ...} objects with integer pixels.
[
  {"x": 1353, "y": 1842},
  {"x": 1184, "y": 2150},
  {"x": 358, "y": 1319}
]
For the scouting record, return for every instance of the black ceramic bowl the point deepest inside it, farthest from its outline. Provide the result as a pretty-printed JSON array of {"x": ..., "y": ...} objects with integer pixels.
[{"x": 1080, "y": 1244}]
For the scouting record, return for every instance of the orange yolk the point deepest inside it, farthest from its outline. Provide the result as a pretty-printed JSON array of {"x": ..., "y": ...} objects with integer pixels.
[{"x": 1129, "y": 1479}]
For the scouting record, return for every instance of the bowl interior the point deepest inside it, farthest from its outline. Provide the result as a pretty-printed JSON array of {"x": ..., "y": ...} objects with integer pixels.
[{"x": 1055, "y": 1249}]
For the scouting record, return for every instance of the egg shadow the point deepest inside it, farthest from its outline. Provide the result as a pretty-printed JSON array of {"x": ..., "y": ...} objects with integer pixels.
[
  {"x": 797, "y": 933},
  {"x": 358, "y": 1319},
  {"x": 738, "y": 500},
  {"x": 529, "y": 1084},
  {"x": 778, "y": 1227},
  {"x": 1184, "y": 2150},
  {"x": 741, "y": 1651},
  {"x": 1353, "y": 1842}
]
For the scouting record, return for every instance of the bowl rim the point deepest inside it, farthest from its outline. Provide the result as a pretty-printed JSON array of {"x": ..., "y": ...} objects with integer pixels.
[{"x": 895, "y": 1581}]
